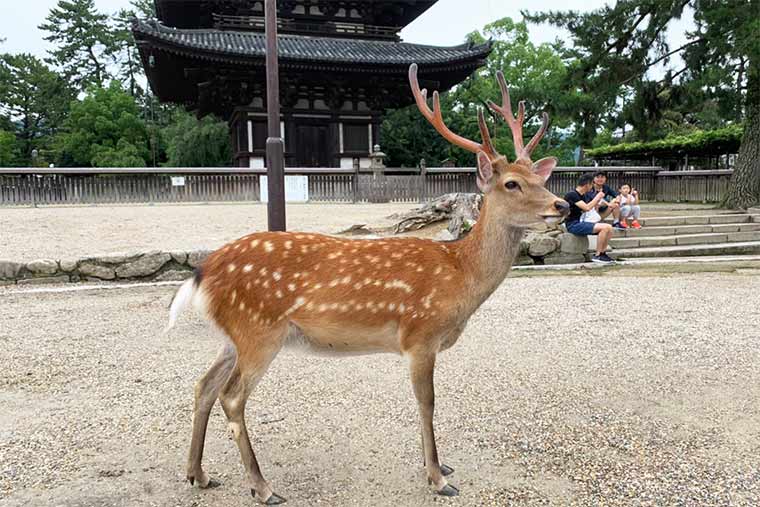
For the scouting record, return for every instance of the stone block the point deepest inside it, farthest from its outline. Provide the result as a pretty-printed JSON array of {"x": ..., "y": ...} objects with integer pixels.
[
  {"x": 179, "y": 257},
  {"x": 69, "y": 265},
  {"x": 144, "y": 265},
  {"x": 701, "y": 239},
  {"x": 174, "y": 275},
  {"x": 194, "y": 259},
  {"x": 10, "y": 270},
  {"x": 572, "y": 244},
  {"x": 624, "y": 242},
  {"x": 726, "y": 228},
  {"x": 730, "y": 219},
  {"x": 523, "y": 260},
  {"x": 564, "y": 258},
  {"x": 42, "y": 267},
  {"x": 744, "y": 236},
  {"x": 43, "y": 280},
  {"x": 112, "y": 258},
  {"x": 92, "y": 270},
  {"x": 657, "y": 241}
]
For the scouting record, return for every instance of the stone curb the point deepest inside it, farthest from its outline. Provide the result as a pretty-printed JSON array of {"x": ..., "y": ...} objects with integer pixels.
[
  {"x": 553, "y": 247},
  {"x": 148, "y": 266}
]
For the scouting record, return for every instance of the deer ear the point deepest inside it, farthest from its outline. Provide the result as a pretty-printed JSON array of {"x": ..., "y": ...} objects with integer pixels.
[
  {"x": 485, "y": 172},
  {"x": 544, "y": 167}
]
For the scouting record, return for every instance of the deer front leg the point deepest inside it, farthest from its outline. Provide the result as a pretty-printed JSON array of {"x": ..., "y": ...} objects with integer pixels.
[
  {"x": 206, "y": 392},
  {"x": 421, "y": 368}
]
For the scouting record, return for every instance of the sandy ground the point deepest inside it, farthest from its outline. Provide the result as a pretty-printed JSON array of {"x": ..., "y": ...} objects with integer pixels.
[
  {"x": 71, "y": 232},
  {"x": 58, "y": 233},
  {"x": 552, "y": 397}
]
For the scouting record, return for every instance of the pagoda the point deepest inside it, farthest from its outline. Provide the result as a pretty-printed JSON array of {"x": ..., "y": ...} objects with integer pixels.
[{"x": 342, "y": 64}]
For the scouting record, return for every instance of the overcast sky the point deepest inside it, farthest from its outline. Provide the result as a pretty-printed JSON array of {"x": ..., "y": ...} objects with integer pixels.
[{"x": 445, "y": 24}]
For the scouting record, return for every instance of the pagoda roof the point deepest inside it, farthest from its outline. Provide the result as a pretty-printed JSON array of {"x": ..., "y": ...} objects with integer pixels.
[{"x": 250, "y": 47}]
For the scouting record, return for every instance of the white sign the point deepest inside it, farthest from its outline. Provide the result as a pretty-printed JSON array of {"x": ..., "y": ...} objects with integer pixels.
[
  {"x": 296, "y": 188},
  {"x": 178, "y": 181}
]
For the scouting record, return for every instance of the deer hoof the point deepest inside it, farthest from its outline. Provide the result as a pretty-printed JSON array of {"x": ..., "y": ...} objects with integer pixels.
[
  {"x": 446, "y": 470},
  {"x": 448, "y": 490},
  {"x": 274, "y": 499}
]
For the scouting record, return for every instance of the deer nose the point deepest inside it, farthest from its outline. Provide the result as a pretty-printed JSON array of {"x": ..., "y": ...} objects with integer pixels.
[{"x": 562, "y": 206}]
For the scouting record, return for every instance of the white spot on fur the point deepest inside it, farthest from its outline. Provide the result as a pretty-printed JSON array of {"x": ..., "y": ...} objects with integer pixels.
[
  {"x": 230, "y": 268},
  {"x": 288, "y": 245},
  {"x": 247, "y": 268},
  {"x": 399, "y": 284},
  {"x": 276, "y": 275},
  {"x": 254, "y": 243},
  {"x": 233, "y": 297},
  {"x": 292, "y": 287},
  {"x": 268, "y": 246}
]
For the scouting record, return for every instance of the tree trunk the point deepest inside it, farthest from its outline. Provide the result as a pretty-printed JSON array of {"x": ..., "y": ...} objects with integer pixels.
[{"x": 744, "y": 190}]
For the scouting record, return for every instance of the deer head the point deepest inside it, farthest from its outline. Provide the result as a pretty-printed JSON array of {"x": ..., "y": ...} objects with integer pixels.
[{"x": 515, "y": 191}]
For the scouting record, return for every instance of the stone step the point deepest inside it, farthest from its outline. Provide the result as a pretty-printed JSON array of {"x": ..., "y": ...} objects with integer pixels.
[
  {"x": 744, "y": 248},
  {"x": 685, "y": 239},
  {"x": 673, "y": 230},
  {"x": 731, "y": 218}
]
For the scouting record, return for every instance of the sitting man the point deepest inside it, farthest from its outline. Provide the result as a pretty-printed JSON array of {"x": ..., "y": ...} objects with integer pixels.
[
  {"x": 573, "y": 221},
  {"x": 610, "y": 203}
]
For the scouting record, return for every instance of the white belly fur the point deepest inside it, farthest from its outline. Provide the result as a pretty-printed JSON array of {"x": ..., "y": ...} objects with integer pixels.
[{"x": 338, "y": 340}]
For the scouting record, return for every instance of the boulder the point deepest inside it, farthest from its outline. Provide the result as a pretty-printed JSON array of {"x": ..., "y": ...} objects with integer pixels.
[
  {"x": 174, "y": 275},
  {"x": 194, "y": 259},
  {"x": 179, "y": 257},
  {"x": 42, "y": 267},
  {"x": 90, "y": 269},
  {"x": 10, "y": 270},
  {"x": 68, "y": 265},
  {"x": 540, "y": 245},
  {"x": 145, "y": 265}
]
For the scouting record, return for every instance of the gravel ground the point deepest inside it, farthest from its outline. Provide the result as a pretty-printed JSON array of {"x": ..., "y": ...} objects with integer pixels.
[
  {"x": 27, "y": 234},
  {"x": 657, "y": 406}
]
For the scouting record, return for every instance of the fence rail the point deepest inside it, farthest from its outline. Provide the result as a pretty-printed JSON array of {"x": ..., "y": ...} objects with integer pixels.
[{"x": 60, "y": 186}]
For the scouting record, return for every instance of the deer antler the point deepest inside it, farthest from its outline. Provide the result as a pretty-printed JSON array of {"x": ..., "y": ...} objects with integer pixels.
[
  {"x": 435, "y": 118},
  {"x": 516, "y": 124}
]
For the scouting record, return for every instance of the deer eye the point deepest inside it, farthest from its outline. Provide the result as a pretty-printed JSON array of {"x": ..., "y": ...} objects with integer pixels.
[{"x": 512, "y": 185}]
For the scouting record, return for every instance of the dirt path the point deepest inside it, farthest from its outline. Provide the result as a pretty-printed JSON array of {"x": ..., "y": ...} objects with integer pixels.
[{"x": 544, "y": 401}]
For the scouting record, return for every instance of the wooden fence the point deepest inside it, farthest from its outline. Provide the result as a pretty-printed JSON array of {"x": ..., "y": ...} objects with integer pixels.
[{"x": 61, "y": 186}]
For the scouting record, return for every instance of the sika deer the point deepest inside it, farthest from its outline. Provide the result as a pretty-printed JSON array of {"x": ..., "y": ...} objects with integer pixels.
[{"x": 406, "y": 296}]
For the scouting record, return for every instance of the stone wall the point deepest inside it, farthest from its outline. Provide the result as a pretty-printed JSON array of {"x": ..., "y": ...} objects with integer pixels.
[{"x": 548, "y": 247}]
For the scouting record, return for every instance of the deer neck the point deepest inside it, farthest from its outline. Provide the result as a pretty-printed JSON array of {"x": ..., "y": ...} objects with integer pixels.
[{"x": 486, "y": 254}]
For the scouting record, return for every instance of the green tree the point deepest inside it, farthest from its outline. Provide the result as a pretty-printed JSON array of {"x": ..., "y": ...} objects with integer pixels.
[
  {"x": 534, "y": 74},
  {"x": 104, "y": 129},
  {"x": 84, "y": 42},
  {"x": 33, "y": 100},
  {"x": 615, "y": 46},
  {"x": 191, "y": 142},
  {"x": 128, "y": 56},
  {"x": 9, "y": 149}
]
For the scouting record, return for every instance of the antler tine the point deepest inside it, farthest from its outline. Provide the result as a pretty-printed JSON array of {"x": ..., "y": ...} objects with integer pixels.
[
  {"x": 528, "y": 150},
  {"x": 435, "y": 117},
  {"x": 484, "y": 133},
  {"x": 515, "y": 125}
]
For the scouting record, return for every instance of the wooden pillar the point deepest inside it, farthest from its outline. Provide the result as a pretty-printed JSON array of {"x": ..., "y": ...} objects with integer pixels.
[{"x": 275, "y": 147}]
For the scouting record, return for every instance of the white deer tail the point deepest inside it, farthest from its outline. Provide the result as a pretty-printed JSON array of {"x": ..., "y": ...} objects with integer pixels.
[{"x": 182, "y": 299}]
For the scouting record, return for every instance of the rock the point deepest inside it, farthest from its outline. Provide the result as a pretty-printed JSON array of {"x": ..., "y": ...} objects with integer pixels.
[
  {"x": 42, "y": 267},
  {"x": 572, "y": 244},
  {"x": 144, "y": 265},
  {"x": 194, "y": 259},
  {"x": 10, "y": 270},
  {"x": 444, "y": 235},
  {"x": 89, "y": 269},
  {"x": 174, "y": 275},
  {"x": 540, "y": 245},
  {"x": 523, "y": 260},
  {"x": 179, "y": 257},
  {"x": 113, "y": 259},
  {"x": 44, "y": 280},
  {"x": 68, "y": 265}
]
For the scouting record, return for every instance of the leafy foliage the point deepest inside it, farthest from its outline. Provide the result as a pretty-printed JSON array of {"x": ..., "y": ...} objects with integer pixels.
[
  {"x": 33, "y": 100},
  {"x": 197, "y": 143},
  {"x": 9, "y": 149},
  {"x": 106, "y": 123},
  {"x": 84, "y": 42},
  {"x": 723, "y": 140}
]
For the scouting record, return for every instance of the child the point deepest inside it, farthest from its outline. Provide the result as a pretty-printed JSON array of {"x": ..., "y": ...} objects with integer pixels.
[{"x": 629, "y": 207}]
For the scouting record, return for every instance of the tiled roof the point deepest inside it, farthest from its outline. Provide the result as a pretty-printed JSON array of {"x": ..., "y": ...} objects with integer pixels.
[{"x": 305, "y": 48}]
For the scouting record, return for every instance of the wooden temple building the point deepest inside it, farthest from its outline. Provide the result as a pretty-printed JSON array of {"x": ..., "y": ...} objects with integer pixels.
[{"x": 342, "y": 64}]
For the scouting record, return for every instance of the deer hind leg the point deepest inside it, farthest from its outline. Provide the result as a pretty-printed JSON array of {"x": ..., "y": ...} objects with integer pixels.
[
  {"x": 445, "y": 469},
  {"x": 206, "y": 392},
  {"x": 421, "y": 369},
  {"x": 253, "y": 361}
]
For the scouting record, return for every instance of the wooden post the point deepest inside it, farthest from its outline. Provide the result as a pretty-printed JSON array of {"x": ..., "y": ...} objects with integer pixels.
[
  {"x": 356, "y": 179},
  {"x": 423, "y": 180},
  {"x": 274, "y": 145}
]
